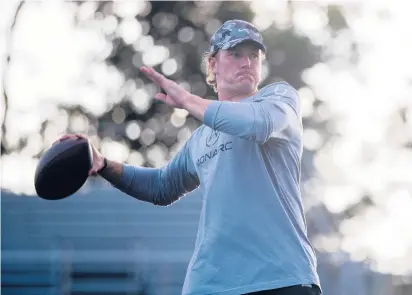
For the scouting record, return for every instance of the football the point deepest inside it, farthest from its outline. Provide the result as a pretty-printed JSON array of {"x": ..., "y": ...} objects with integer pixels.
[{"x": 63, "y": 168}]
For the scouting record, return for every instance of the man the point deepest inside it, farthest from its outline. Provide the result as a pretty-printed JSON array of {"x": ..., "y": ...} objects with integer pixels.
[{"x": 246, "y": 159}]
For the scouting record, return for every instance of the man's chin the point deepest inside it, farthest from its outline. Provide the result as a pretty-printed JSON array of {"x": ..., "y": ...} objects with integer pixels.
[{"x": 246, "y": 86}]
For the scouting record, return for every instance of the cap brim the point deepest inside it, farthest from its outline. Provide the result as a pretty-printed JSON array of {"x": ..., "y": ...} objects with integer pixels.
[{"x": 233, "y": 43}]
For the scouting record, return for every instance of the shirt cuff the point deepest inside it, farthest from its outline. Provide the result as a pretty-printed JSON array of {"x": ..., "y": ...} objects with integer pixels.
[
  {"x": 127, "y": 175},
  {"x": 209, "y": 118}
]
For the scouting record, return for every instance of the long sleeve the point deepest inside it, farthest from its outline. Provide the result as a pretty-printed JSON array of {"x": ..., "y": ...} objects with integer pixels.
[
  {"x": 274, "y": 108},
  {"x": 161, "y": 186}
]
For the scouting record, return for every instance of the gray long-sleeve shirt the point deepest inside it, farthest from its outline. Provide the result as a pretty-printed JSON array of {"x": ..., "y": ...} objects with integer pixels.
[{"x": 252, "y": 230}]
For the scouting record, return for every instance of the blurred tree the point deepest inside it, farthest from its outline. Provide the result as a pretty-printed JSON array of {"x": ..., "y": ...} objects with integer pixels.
[
  {"x": 4, "y": 148},
  {"x": 184, "y": 28}
]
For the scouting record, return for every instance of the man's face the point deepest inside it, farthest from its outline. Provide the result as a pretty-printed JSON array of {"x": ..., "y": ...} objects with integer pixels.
[{"x": 238, "y": 69}]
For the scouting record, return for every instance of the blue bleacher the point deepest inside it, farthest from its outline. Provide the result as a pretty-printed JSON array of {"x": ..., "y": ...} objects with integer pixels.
[{"x": 99, "y": 241}]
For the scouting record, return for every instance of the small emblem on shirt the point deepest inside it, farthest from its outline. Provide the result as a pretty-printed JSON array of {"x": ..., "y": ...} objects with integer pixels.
[
  {"x": 212, "y": 138},
  {"x": 281, "y": 90}
]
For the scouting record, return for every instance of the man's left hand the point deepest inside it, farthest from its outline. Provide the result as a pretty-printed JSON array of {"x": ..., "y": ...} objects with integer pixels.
[{"x": 175, "y": 95}]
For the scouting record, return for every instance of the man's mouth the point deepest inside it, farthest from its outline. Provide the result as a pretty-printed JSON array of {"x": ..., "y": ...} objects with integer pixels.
[
  {"x": 243, "y": 74},
  {"x": 246, "y": 75}
]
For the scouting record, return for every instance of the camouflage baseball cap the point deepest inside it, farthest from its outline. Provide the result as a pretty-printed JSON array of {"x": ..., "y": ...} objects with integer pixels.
[{"x": 233, "y": 32}]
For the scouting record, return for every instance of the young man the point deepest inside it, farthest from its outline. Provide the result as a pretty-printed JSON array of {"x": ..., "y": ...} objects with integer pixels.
[{"x": 246, "y": 159}]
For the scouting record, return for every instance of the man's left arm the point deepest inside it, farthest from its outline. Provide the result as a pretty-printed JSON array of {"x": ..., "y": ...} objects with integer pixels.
[{"x": 275, "y": 108}]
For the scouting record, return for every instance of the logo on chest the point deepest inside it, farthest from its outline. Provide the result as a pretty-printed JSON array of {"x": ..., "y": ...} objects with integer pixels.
[
  {"x": 211, "y": 141},
  {"x": 212, "y": 138}
]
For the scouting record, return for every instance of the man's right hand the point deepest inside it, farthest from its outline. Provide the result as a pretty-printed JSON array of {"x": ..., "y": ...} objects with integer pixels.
[{"x": 97, "y": 157}]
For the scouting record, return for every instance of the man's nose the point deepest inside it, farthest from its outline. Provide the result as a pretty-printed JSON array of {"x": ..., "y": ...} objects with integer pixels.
[{"x": 246, "y": 61}]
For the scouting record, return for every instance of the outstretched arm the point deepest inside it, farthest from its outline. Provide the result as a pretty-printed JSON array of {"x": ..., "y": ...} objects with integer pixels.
[
  {"x": 273, "y": 109},
  {"x": 161, "y": 186}
]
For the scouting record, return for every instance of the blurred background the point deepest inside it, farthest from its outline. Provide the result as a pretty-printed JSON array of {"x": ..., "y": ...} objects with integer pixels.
[{"x": 72, "y": 67}]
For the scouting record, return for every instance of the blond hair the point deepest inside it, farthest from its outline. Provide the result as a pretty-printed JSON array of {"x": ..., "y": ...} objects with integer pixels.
[{"x": 210, "y": 76}]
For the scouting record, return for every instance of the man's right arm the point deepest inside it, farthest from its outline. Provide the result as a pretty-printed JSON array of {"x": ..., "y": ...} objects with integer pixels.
[{"x": 160, "y": 186}]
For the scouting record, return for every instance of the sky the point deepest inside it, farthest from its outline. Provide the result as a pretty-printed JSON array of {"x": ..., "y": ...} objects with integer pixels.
[{"x": 52, "y": 59}]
